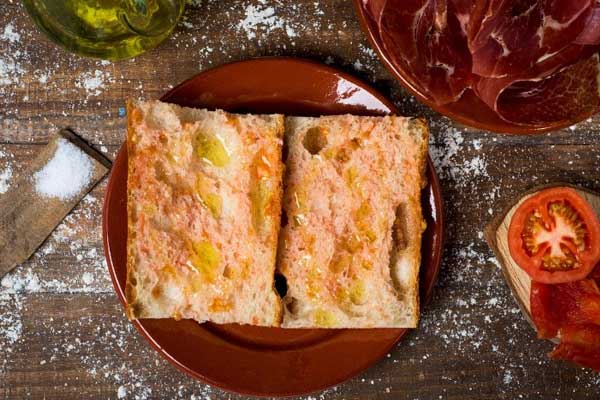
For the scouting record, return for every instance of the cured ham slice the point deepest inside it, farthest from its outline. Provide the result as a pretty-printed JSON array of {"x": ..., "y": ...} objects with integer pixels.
[
  {"x": 570, "y": 312},
  {"x": 506, "y": 39},
  {"x": 591, "y": 32},
  {"x": 555, "y": 306},
  {"x": 476, "y": 13},
  {"x": 579, "y": 344},
  {"x": 563, "y": 22},
  {"x": 532, "y": 62},
  {"x": 434, "y": 48},
  {"x": 513, "y": 36},
  {"x": 375, "y": 9},
  {"x": 552, "y": 99}
]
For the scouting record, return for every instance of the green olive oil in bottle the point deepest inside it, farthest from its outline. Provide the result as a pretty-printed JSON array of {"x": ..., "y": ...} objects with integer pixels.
[{"x": 107, "y": 29}]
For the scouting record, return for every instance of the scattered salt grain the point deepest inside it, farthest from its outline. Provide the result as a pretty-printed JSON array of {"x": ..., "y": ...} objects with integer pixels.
[
  {"x": 43, "y": 78},
  {"x": 121, "y": 392},
  {"x": 5, "y": 177},
  {"x": 12, "y": 332},
  {"x": 87, "y": 278},
  {"x": 93, "y": 83},
  {"x": 507, "y": 378},
  {"x": 10, "y": 34},
  {"x": 16, "y": 284},
  {"x": 66, "y": 174},
  {"x": 10, "y": 69},
  {"x": 267, "y": 18},
  {"x": 358, "y": 65},
  {"x": 11, "y": 326},
  {"x": 259, "y": 17}
]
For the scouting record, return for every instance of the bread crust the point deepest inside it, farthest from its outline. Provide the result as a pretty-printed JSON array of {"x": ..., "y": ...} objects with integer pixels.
[{"x": 133, "y": 310}]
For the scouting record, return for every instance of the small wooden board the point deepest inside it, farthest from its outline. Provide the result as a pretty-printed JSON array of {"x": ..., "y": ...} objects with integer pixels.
[
  {"x": 26, "y": 218},
  {"x": 496, "y": 234}
]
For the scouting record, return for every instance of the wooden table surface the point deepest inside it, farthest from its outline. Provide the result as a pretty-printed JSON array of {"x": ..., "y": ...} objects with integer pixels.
[{"x": 63, "y": 333}]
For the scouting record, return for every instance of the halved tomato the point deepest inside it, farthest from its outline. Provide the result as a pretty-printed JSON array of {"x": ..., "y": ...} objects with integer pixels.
[
  {"x": 554, "y": 236},
  {"x": 595, "y": 274}
]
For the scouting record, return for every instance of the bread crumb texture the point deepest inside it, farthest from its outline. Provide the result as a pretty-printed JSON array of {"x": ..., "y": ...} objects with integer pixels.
[
  {"x": 351, "y": 248},
  {"x": 204, "y": 206}
]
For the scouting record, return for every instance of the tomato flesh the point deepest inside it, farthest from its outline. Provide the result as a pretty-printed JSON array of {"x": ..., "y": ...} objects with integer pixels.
[{"x": 554, "y": 236}]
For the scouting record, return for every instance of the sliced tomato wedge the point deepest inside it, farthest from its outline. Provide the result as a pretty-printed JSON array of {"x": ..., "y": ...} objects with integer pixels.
[{"x": 554, "y": 236}]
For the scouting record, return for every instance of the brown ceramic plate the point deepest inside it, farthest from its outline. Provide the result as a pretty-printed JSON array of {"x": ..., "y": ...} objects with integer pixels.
[
  {"x": 469, "y": 110},
  {"x": 269, "y": 361}
]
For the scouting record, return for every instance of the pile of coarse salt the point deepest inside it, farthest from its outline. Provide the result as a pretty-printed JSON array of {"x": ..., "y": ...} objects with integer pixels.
[{"x": 66, "y": 174}]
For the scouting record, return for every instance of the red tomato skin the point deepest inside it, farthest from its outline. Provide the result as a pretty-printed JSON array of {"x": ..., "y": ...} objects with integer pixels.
[
  {"x": 595, "y": 274},
  {"x": 588, "y": 259}
]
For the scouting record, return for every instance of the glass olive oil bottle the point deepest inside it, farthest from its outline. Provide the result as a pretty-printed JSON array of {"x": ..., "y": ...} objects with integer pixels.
[{"x": 108, "y": 29}]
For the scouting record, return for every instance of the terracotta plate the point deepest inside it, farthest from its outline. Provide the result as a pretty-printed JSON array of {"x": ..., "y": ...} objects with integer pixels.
[
  {"x": 269, "y": 361},
  {"x": 469, "y": 110}
]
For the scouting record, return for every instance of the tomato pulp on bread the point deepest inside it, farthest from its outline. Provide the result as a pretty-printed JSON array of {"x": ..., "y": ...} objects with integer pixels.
[{"x": 554, "y": 236}]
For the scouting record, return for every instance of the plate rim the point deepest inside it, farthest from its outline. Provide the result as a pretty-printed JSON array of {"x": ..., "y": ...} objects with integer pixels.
[
  {"x": 436, "y": 252},
  {"x": 365, "y": 23}
]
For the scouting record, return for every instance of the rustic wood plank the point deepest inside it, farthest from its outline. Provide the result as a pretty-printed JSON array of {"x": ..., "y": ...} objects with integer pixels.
[{"x": 81, "y": 346}]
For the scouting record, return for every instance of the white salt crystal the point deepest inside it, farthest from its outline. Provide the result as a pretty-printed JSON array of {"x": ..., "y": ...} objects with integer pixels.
[
  {"x": 92, "y": 83},
  {"x": 121, "y": 392},
  {"x": 256, "y": 16},
  {"x": 10, "y": 70},
  {"x": 66, "y": 174},
  {"x": 13, "y": 333},
  {"x": 5, "y": 177},
  {"x": 10, "y": 34},
  {"x": 87, "y": 278},
  {"x": 11, "y": 326}
]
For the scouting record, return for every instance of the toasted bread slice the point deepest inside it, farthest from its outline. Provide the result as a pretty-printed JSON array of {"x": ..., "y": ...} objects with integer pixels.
[
  {"x": 350, "y": 250},
  {"x": 203, "y": 201}
]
